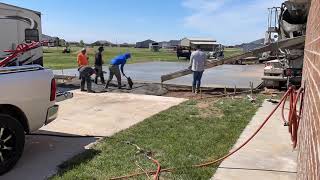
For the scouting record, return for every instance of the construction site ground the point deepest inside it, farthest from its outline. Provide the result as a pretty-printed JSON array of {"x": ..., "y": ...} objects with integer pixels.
[{"x": 113, "y": 110}]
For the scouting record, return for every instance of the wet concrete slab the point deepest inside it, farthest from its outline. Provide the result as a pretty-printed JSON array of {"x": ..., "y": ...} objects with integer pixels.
[{"x": 220, "y": 76}]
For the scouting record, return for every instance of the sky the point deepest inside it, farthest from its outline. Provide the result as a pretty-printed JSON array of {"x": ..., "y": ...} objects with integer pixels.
[{"x": 227, "y": 21}]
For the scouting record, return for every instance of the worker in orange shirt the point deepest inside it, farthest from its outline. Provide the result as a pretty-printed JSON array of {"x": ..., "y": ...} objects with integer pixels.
[
  {"x": 82, "y": 58},
  {"x": 85, "y": 70}
]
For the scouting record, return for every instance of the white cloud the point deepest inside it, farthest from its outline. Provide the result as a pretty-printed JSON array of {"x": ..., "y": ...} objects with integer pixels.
[{"x": 229, "y": 21}]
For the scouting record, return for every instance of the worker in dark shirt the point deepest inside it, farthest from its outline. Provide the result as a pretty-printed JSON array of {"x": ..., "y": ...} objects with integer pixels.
[
  {"x": 114, "y": 68},
  {"x": 98, "y": 66}
]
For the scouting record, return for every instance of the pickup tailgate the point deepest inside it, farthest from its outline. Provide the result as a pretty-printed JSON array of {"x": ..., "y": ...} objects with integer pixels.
[{"x": 27, "y": 88}]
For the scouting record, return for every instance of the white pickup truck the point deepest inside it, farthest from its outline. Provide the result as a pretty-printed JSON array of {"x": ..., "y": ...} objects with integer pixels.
[{"x": 27, "y": 102}]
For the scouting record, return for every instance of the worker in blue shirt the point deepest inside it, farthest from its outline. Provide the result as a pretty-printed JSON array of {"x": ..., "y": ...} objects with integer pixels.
[{"x": 114, "y": 68}]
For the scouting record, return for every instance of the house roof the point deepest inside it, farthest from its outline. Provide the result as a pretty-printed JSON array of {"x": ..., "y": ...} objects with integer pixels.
[
  {"x": 48, "y": 38},
  {"x": 37, "y": 12},
  {"x": 148, "y": 40},
  {"x": 103, "y": 42},
  {"x": 201, "y": 39}
]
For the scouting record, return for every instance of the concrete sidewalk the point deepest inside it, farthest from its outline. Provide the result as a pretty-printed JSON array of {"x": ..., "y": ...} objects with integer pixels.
[{"x": 269, "y": 156}]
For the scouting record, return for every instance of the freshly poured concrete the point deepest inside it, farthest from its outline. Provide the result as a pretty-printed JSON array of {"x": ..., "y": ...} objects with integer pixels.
[
  {"x": 220, "y": 76},
  {"x": 269, "y": 156},
  {"x": 86, "y": 114}
]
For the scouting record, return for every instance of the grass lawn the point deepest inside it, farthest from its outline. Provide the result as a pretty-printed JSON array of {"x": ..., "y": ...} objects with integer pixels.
[
  {"x": 192, "y": 132},
  {"x": 232, "y": 51},
  {"x": 55, "y": 59}
]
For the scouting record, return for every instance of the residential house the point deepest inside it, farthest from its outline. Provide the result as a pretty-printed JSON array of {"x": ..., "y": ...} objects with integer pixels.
[
  {"x": 103, "y": 43},
  {"x": 206, "y": 44},
  {"x": 144, "y": 44}
]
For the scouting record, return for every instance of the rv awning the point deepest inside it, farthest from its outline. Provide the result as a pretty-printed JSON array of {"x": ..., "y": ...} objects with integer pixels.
[{"x": 204, "y": 43}]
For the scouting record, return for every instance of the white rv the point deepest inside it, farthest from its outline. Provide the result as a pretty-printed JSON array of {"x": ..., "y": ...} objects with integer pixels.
[{"x": 19, "y": 25}]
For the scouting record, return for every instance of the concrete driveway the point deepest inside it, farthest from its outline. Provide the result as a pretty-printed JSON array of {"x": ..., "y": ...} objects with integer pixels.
[{"x": 86, "y": 114}]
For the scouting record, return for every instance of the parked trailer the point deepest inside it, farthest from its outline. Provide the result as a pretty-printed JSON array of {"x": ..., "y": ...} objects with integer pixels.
[{"x": 20, "y": 25}]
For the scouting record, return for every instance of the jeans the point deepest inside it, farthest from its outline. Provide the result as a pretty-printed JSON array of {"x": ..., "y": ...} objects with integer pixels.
[
  {"x": 85, "y": 79},
  {"x": 197, "y": 75},
  {"x": 85, "y": 76}
]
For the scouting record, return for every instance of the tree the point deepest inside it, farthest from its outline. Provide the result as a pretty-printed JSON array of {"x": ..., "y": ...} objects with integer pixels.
[{"x": 82, "y": 43}]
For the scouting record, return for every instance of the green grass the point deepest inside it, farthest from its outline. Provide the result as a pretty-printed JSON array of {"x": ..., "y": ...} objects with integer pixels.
[
  {"x": 192, "y": 132},
  {"x": 55, "y": 59},
  {"x": 228, "y": 52}
]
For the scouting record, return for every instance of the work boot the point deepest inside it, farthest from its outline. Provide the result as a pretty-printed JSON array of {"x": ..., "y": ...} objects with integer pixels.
[
  {"x": 107, "y": 85},
  {"x": 91, "y": 91},
  {"x": 197, "y": 90},
  {"x": 193, "y": 89},
  {"x": 102, "y": 80}
]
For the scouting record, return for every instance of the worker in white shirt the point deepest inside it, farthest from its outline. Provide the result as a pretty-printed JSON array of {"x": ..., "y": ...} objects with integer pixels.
[{"x": 197, "y": 65}]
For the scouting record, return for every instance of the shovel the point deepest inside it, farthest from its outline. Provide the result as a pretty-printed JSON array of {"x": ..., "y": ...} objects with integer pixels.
[{"x": 130, "y": 82}]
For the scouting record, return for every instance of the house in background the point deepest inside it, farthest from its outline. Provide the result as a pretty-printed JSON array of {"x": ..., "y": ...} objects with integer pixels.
[
  {"x": 62, "y": 42},
  {"x": 164, "y": 44},
  {"x": 103, "y": 43},
  {"x": 206, "y": 44},
  {"x": 53, "y": 41},
  {"x": 144, "y": 44},
  {"x": 127, "y": 45},
  {"x": 172, "y": 44},
  {"x": 73, "y": 43}
]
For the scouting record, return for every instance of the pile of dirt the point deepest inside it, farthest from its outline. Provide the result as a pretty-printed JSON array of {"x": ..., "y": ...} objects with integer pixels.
[{"x": 207, "y": 109}]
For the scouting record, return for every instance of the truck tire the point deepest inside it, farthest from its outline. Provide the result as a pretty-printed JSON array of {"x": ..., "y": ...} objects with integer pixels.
[{"x": 12, "y": 140}]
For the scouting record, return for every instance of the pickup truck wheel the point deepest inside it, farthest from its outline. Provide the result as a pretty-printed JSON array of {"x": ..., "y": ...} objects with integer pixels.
[{"x": 11, "y": 142}]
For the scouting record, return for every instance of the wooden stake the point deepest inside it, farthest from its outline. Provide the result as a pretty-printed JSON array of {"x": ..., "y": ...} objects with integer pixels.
[
  {"x": 251, "y": 88},
  {"x": 225, "y": 90},
  {"x": 62, "y": 74}
]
